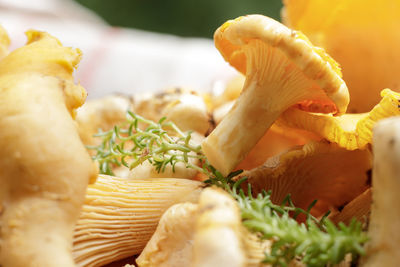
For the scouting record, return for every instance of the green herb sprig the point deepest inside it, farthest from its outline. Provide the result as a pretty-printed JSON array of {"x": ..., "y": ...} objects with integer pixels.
[
  {"x": 315, "y": 242},
  {"x": 138, "y": 140}
]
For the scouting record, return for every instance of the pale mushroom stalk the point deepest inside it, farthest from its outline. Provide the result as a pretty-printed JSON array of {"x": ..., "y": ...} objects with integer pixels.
[
  {"x": 383, "y": 248},
  {"x": 282, "y": 69}
]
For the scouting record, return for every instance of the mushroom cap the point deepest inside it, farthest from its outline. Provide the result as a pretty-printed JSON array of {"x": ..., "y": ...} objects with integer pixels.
[
  {"x": 329, "y": 94},
  {"x": 350, "y": 131}
]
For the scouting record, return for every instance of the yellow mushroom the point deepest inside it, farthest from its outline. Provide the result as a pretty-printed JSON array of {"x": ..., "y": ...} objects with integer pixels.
[
  {"x": 383, "y": 231},
  {"x": 45, "y": 168},
  {"x": 187, "y": 109},
  {"x": 102, "y": 113},
  {"x": 282, "y": 69},
  {"x": 362, "y": 35},
  {"x": 351, "y": 131},
  {"x": 120, "y": 215},
  {"x": 318, "y": 170}
]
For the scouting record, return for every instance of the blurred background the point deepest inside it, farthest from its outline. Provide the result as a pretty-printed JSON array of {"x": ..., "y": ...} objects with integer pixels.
[
  {"x": 187, "y": 18},
  {"x": 135, "y": 46}
]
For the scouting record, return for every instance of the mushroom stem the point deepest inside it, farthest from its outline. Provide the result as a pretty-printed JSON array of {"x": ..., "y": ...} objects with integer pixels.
[
  {"x": 382, "y": 249},
  {"x": 268, "y": 91}
]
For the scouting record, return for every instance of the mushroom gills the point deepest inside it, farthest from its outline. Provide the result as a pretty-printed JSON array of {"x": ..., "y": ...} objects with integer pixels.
[{"x": 120, "y": 215}]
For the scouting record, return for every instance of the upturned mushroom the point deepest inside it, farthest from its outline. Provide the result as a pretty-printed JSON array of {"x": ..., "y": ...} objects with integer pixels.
[{"x": 282, "y": 69}]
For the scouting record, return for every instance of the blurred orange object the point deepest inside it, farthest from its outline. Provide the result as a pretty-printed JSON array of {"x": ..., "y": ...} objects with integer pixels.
[{"x": 362, "y": 35}]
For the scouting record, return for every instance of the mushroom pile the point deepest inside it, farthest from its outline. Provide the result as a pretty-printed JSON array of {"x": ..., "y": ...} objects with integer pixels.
[{"x": 204, "y": 178}]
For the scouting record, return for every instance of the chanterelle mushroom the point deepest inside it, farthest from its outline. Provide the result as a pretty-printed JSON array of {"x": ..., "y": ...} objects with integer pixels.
[{"x": 282, "y": 69}]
